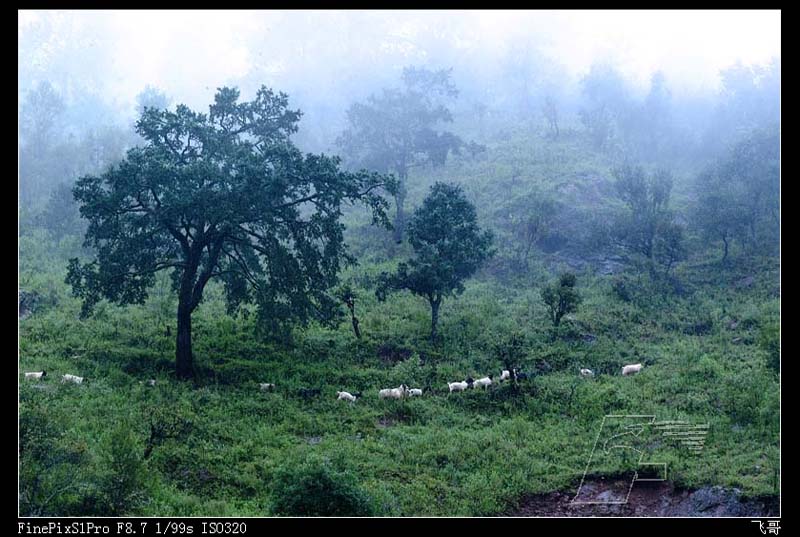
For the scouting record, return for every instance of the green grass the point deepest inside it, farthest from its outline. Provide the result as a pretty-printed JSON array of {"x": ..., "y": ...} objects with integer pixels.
[
  {"x": 219, "y": 446},
  {"x": 474, "y": 453}
]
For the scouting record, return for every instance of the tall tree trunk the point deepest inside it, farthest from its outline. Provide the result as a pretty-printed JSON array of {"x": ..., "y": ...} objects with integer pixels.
[
  {"x": 351, "y": 305},
  {"x": 435, "y": 303},
  {"x": 183, "y": 343}
]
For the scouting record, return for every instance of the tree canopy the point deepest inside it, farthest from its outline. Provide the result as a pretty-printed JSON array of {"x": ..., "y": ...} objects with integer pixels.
[{"x": 648, "y": 229}]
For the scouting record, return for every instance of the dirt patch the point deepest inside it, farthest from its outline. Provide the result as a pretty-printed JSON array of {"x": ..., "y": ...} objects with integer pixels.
[{"x": 654, "y": 498}]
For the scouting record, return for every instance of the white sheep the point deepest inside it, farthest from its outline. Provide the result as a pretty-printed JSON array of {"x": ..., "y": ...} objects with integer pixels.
[
  {"x": 72, "y": 378},
  {"x": 266, "y": 386},
  {"x": 36, "y": 375},
  {"x": 345, "y": 396},
  {"x": 459, "y": 386},
  {"x": 151, "y": 382},
  {"x": 485, "y": 382},
  {"x": 587, "y": 373},
  {"x": 414, "y": 391},
  {"x": 505, "y": 374},
  {"x": 631, "y": 369},
  {"x": 393, "y": 393}
]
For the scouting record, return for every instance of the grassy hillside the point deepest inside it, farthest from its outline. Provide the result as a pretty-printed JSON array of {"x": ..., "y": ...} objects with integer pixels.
[{"x": 115, "y": 445}]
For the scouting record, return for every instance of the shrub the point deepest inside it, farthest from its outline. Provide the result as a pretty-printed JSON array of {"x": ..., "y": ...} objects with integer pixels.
[
  {"x": 313, "y": 489},
  {"x": 123, "y": 482},
  {"x": 769, "y": 339}
]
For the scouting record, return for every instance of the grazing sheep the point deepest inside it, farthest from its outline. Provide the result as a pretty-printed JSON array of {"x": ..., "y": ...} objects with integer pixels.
[
  {"x": 266, "y": 386},
  {"x": 519, "y": 375},
  {"x": 485, "y": 382},
  {"x": 393, "y": 393},
  {"x": 505, "y": 374},
  {"x": 72, "y": 378},
  {"x": 587, "y": 373},
  {"x": 151, "y": 382},
  {"x": 414, "y": 391},
  {"x": 346, "y": 396},
  {"x": 36, "y": 375},
  {"x": 631, "y": 369},
  {"x": 460, "y": 386}
]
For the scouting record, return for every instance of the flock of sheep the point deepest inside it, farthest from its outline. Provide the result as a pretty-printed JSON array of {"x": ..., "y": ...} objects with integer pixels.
[
  {"x": 388, "y": 393},
  {"x": 404, "y": 391}
]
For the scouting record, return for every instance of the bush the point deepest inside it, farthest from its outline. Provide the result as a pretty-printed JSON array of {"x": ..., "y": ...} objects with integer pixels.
[
  {"x": 123, "y": 483},
  {"x": 313, "y": 489},
  {"x": 769, "y": 339},
  {"x": 561, "y": 297}
]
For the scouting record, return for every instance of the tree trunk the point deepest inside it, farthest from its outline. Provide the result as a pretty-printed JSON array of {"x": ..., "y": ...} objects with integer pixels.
[
  {"x": 183, "y": 344},
  {"x": 435, "y": 303},
  {"x": 356, "y": 330},
  {"x": 725, "y": 255},
  {"x": 183, "y": 347}
]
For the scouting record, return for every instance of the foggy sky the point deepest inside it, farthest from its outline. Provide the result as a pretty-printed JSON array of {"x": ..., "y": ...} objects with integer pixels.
[{"x": 190, "y": 53}]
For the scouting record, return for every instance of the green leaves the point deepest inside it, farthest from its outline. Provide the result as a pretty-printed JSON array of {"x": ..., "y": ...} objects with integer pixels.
[
  {"x": 449, "y": 247},
  {"x": 648, "y": 228},
  {"x": 738, "y": 197},
  {"x": 561, "y": 297},
  {"x": 223, "y": 195},
  {"x": 399, "y": 128}
]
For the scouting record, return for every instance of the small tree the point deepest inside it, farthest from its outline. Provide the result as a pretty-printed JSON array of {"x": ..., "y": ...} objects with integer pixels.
[
  {"x": 449, "y": 247},
  {"x": 561, "y": 297},
  {"x": 348, "y": 296},
  {"x": 550, "y": 111},
  {"x": 718, "y": 213},
  {"x": 647, "y": 228},
  {"x": 670, "y": 246}
]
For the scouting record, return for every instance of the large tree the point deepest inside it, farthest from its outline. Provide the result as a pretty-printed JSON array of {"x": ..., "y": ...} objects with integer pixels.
[
  {"x": 449, "y": 247},
  {"x": 221, "y": 195},
  {"x": 400, "y": 129}
]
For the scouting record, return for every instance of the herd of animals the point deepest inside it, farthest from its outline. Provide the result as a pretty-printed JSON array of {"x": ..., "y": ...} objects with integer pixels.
[{"x": 400, "y": 392}]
